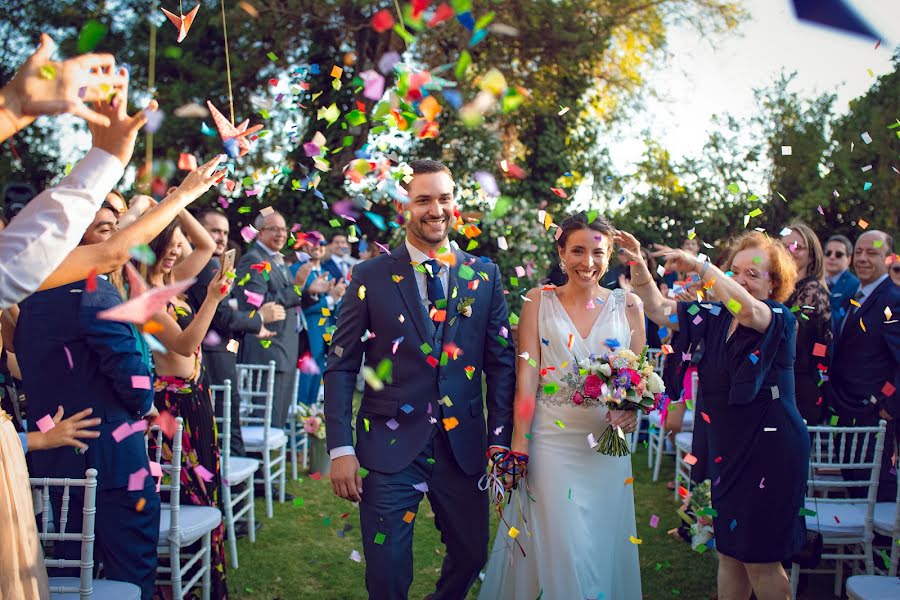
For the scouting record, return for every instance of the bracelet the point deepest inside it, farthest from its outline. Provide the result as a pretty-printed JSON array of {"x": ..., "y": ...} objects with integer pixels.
[
  {"x": 642, "y": 283},
  {"x": 705, "y": 268}
]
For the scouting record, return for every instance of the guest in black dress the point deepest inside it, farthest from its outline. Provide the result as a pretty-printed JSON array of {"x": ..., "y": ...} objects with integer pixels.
[
  {"x": 811, "y": 303},
  {"x": 757, "y": 445}
]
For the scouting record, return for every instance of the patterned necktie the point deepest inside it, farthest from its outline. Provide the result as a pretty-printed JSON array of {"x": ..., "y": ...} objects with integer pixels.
[{"x": 433, "y": 284}]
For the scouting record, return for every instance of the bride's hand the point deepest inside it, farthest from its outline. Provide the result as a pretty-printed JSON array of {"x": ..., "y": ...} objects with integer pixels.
[{"x": 626, "y": 419}]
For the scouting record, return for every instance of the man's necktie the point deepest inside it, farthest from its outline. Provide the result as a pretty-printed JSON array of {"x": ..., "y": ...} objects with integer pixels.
[
  {"x": 433, "y": 283},
  {"x": 851, "y": 310}
]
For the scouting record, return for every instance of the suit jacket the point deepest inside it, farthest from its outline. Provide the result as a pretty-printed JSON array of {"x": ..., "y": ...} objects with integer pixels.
[
  {"x": 395, "y": 423},
  {"x": 866, "y": 363},
  {"x": 841, "y": 292},
  {"x": 69, "y": 357},
  {"x": 333, "y": 269},
  {"x": 274, "y": 286},
  {"x": 228, "y": 322}
]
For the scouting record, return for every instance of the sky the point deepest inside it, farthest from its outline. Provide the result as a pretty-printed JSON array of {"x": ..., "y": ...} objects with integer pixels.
[{"x": 702, "y": 77}]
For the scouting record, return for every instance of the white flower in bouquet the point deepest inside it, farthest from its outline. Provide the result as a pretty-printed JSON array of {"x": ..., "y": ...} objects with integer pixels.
[
  {"x": 605, "y": 370},
  {"x": 655, "y": 383},
  {"x": 584, "y": 364},
  {"x": 647, "y": 370}
]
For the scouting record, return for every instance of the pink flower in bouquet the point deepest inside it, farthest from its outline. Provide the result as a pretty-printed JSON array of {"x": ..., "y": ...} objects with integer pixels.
[
  {"x": 311, "y": 425},
  {"x": 593, "y": 386},
  {"x": 634, "y": 376},
  {"x": 640, "y": 388},
  {"x": 577, "y": 398}
]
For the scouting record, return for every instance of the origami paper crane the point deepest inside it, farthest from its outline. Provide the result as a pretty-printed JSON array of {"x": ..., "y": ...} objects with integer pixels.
[
  {"x": 228, "y": 132},
  {"x": 182, "y": 22},
  {"x": 140, "y": 309}
]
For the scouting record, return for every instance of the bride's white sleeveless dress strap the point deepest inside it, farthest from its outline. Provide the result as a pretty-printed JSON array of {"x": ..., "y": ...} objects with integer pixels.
[{"x": 577, "y": 516}]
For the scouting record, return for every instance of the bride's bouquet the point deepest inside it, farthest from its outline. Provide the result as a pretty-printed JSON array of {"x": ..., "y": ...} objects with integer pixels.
[{"x": 623, "y": 381}]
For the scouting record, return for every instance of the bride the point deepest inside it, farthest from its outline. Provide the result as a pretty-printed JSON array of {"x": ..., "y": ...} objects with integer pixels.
[{"x": 567, "y": 532}]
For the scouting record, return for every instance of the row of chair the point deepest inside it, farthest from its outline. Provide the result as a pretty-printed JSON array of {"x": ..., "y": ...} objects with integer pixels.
[{"x": 181, "y": 526}]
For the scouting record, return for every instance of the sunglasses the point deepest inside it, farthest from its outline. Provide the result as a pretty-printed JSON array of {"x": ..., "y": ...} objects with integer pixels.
[
  {"x": 895, "y": 269},
  {"x": 837, "y": 253}
]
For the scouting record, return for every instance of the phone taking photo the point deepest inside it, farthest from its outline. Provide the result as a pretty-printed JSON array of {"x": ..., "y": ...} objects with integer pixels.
[{"x": 228, "y": 261}]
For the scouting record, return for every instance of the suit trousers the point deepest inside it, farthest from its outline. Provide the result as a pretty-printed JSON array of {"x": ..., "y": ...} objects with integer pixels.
[
  {"x": 284, "y": 397},
  {"x": 388, "y": 510},
  {"x": 126, "y": 539},
  {"x": 887, "y": 480},
  {"x": 221, "y": 365}
]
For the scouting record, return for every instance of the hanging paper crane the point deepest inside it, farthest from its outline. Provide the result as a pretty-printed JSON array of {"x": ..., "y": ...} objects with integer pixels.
[
  {"x": 234, "y": 137},
  {"x": 182, "y": 22}
]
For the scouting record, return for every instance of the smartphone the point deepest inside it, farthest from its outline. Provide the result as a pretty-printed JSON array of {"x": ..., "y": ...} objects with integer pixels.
[{"x": 228, "y": 261}]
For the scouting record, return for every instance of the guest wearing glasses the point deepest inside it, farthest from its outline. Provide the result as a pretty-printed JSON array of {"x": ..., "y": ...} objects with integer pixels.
[
  {"x": 841, "y": 282},
  {"x": 812, "y": 305},
  {"x": 894, "y": 270}
]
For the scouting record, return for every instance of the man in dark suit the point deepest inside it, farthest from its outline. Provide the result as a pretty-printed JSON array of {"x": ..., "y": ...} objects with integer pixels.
[
  {"x": 338, "y": 261},
  {"x": 842, "y": 284},
  {"x": 70, "y": 357},
  {"x": 441, "y": 324},
  {"x": 865, "y": 372},
  {"x": 228, "y": 323},
  {"x": 267, "y": 279}
]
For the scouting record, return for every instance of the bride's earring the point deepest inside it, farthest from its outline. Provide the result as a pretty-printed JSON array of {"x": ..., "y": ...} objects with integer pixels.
[{"x": 562, "y": 265}]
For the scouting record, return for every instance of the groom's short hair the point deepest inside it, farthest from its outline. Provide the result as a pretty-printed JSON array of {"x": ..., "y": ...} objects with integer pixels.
[{"x": 426, "y": 165}]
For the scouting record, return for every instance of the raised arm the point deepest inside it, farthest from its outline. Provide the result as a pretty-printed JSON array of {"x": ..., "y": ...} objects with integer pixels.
[
  {"x": 656, "y": 306},
  {"x": 527, "y": 376},
  {"x": 72, "y": 83},
  {"x": 200, "y": 250},
  {"x": 186, "y": 341},
  {"x": 108, "y": 256}
]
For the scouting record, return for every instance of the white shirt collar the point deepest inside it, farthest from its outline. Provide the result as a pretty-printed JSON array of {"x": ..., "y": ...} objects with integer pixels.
[
  {"x": 268, "y": 250},
  {"x": 418, "y": 257},
  {"x": 834, "y": 279},
  {"x": 869, "y": 288}
]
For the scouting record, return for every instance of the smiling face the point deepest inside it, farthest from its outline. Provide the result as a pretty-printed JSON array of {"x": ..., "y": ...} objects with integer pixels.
[
  {"x": 751, "y": 271},
  {"x": 315, "y": 251},
  {"x": 273, "y": 233},
  {"x": 339, "y": 246},
  {"x": 101, "y": 228},
  {"x": 586, "y": 256},
  {"x": 837, "y": 260},
  {"x": 431, "y": 206},
  {"x": 870, "y": 256},
  {"x": 172, "y": 253},
  {"x": 796, "y": 245},
  {"x": 217, "y": 226}
]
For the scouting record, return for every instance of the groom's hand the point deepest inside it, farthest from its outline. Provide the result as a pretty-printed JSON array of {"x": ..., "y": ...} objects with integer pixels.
[{"x": 345, "y": 478}]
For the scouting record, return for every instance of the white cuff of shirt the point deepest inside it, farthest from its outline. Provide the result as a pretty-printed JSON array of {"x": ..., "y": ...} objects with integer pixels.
[
  {"x": 329, "y": 300},
  {"x": 98, "y": 172},
  {"x": 342, "y": 451}
]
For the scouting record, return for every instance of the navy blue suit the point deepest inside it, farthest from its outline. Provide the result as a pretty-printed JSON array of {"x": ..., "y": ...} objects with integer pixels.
[
  {"x": 426, "y": 427},
  {"x": 865, "y": 371},
  {"x": 841, "y": 292},
  {"x": 69, "y": 357},
  {"x": 331, "y": 267}
]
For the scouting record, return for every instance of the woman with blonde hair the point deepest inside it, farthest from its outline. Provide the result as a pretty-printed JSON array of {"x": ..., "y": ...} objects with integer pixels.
[
  {"x": 756, "y": 449},
  {"x": 812, "y": 303}
]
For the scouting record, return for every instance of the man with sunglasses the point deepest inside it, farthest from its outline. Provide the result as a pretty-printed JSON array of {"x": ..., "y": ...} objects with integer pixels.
[{"x": 842, "y": 284}]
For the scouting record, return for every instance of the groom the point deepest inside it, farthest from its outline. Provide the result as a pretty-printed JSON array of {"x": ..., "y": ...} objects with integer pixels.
[{"x": 439, "y": 316}]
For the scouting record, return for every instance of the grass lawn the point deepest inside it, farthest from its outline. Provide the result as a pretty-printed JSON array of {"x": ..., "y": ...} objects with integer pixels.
[{"x": 304, "y": 552}]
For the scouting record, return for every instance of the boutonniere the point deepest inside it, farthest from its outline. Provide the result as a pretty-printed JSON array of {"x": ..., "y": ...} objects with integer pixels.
[{"x": 464, "y": 307}]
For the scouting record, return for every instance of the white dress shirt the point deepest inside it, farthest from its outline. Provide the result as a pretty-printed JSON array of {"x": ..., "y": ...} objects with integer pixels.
[
  {"x": 417, "y": 257},
  {"x": 40, "y": 237}
]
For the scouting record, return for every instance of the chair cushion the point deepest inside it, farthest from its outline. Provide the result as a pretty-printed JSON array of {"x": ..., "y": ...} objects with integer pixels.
[
  {"x": 850, "y": 519},
  {"x": 240, "y": 469},
  {"x": 885, "y": 516},
  {"x": 104, "y": 589},
  {"x": 872, "y": 587},
  {"x": 253, "y": 438},
  {"x": 684, "y": 440},
  {"x": 193, "y": 522}
]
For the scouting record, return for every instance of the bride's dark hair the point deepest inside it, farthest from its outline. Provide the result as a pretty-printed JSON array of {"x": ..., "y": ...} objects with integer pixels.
[{"x": 579, "y": 221}]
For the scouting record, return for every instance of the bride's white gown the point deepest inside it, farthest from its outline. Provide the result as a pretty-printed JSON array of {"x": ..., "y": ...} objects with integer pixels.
[{"x": 576, "y": 527}]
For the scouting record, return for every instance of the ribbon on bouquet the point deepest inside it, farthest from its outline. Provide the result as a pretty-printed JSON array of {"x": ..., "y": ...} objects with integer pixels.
[{"x": 503, "y": 464}]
